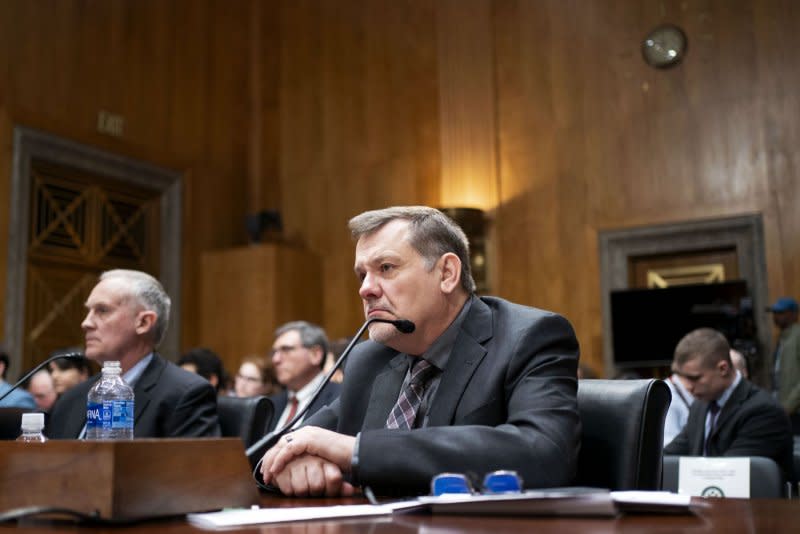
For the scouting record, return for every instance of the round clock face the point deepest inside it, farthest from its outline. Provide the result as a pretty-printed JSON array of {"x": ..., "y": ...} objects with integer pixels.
[{"x": 664, "y": 46}]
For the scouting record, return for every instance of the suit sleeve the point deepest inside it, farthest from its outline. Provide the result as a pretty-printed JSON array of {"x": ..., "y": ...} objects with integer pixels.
[
  {"x": 762, "y": 430},
  {"x": 195, "y": 413},
  {"x": 680, "y": 443},
  {"x": 538, "y": 437}
]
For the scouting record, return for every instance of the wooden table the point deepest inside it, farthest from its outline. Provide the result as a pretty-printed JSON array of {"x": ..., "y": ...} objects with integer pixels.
[{"x": 723, "y": 515}]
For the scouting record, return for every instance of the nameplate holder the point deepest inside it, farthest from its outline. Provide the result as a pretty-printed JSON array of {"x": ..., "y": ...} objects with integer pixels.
[
  {"x": 714, "y": 477},
  {"x": 127, "y": 480}
]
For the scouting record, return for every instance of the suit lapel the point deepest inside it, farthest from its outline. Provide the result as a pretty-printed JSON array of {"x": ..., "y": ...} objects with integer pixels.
[
  {"x": 467, "y": 353},
  {"x": 731, "y": 407},
  {"x": 147, "y": 381},
  {"x": 385, "y": 391}
]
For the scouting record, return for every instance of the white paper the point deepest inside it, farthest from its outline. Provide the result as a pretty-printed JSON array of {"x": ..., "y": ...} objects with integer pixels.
[
  {"x": 259, "y": 516},
  {"x": 714, "y": 477},
  {"x": 651, "y": 501},
  {"x": 552, "y": 502}
]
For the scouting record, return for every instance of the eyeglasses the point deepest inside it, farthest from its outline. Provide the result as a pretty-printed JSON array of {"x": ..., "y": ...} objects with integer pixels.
[
  {"x": 284, "y": 349},
  {"x": 251, "y": 379},
  {"x": 503, "y": 481}
]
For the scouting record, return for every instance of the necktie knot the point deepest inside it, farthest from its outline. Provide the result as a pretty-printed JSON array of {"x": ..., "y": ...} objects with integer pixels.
[{"x": 713, "y": 407}]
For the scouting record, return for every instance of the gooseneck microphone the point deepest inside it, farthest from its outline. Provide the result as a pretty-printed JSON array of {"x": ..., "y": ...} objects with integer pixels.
[
  {"x": 73, "y": 355},
  {"x": 256, "y": 450}
]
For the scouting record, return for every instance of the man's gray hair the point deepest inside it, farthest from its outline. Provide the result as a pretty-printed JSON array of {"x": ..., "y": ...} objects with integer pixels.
[
  {"x": 432, "y": 234},
  {"x": 149, "y": 293},
  {"x": 311, "y": 335}
]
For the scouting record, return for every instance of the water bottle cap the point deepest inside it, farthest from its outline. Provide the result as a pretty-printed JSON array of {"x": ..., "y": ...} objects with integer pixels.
[
  {"x": 112, "y": 366},
  {"x": 32, "y": 422}
]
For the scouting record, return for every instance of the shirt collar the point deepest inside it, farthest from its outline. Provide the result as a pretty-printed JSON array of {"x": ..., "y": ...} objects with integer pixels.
[
  {"x": 729, "y": 390},
  {"x": 135, "y": 372},
  {"x": 438, "y": 353},
  {"x": 304, "y": 393}
]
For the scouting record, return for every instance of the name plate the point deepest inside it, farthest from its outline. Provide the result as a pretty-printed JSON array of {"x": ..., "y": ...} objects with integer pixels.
[{"x": 714, "y": 477}]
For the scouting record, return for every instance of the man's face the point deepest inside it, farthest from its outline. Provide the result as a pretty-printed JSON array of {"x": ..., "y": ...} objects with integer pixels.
[
  {"x": 703, "y": 382},
  {"x": 41, "y": 388},
  {"x": 396, "y": 283},
  {"x": 295, "y": 365},
  {"x": 784, "y": 319},
  {"x": 111, "y": 322}
]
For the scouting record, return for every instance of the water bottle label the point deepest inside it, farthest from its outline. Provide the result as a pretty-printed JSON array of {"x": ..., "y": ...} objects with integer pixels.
[
  {"x": 98, "y": 415},
  {"x": 108, "y": 415},
  {"x": 122, "y": 414}
]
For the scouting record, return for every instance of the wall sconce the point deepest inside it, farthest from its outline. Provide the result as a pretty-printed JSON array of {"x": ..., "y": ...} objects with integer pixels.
[
  {"x": 268, "y": 221},
  {"x": 474, "y": 223}
]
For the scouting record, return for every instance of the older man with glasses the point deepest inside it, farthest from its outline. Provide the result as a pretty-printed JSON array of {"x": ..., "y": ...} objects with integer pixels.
[{"x": 298, "y": 355}]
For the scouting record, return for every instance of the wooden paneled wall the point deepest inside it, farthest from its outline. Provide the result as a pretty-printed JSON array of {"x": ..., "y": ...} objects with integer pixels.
[
  {"x": 358, "y": 107},
  {"x": 177, "y": 71}
]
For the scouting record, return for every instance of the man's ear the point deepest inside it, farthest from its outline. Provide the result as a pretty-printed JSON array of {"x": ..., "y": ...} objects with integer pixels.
[
  {"x": 145, "y": 321},
  {"x": 317, "y": 355},
  {"x": 451, "y": 272},
  {"x": 724, "y": 367}
]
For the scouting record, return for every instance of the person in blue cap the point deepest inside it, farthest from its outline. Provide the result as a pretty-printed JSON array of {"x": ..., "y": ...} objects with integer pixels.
[{"x": 787, "y": 358}]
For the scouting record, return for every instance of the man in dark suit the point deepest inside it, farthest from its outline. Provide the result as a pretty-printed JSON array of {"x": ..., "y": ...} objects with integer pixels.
[
  {"x": 298, "y": 355},
  {"x": 731, "y": 416},
  {"x": 481, "y": 384},
  {"x": 127, "y": 316}
]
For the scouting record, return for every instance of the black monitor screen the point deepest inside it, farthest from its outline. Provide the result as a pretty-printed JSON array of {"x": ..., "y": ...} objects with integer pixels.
[{"x": 646, "y": 324}]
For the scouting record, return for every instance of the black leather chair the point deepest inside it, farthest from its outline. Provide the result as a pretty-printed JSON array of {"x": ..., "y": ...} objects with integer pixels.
[
  {"x": 766, "y": 479},
  {"x": 244, "y": 417},
  {"x": 623, "y": 433},
  {"x": 11, "y": 421}
]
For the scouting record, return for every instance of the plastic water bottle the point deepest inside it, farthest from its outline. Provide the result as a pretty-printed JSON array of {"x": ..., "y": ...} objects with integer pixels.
[
  {"x": 32, "y": 427},
  {"x": 109, "y": 410}
]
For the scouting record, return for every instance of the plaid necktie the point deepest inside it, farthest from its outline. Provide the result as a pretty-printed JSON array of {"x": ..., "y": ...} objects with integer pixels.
[
  {"x": 713, "y": 411},
  {"x": 404, "y": 412}
]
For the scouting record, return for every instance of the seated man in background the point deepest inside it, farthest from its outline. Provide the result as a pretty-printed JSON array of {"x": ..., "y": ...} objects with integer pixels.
[
  {"x": 19, "y": 398},
  {"x": 127, "y": 318},
  {"x": 740, "y": 363},
  {"x": 40, "y": 386},
  {"x": 730, "y": 416},
  {"x": 298, "y": 356},
  {"x": 678, "y": 412},
  {"x": 480, "y": 385},
  {"x": 68, "y": 372},
  {"x": 207, "y": 364}
]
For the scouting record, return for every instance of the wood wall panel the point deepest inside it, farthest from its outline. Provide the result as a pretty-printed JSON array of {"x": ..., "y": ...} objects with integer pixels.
[
  {"x": 587, "y": 136},
  {"x": 176, "y": 70},
  {"x": 359, "y": 127},
  {"x": 633, "y": 145}
]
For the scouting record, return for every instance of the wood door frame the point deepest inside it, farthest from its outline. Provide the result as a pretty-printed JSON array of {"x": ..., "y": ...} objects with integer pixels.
[
  {"x": 745, "y": 233},
  {"x": 30, "y": 144}
]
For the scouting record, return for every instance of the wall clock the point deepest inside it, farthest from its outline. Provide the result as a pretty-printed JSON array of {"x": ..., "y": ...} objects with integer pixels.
[{"x": 664, "y": 47}]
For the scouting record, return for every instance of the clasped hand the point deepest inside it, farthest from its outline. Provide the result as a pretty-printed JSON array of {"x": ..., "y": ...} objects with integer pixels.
[{"x": 310, "y": 461}]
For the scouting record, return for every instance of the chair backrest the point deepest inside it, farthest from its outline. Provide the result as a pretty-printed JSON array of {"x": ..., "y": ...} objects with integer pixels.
[
  {"x": 245, "y": 417},
  {"x": 622, "y": 433},
  {"x": 766, "y": 479},
  {"x": 10, "y": 422}
]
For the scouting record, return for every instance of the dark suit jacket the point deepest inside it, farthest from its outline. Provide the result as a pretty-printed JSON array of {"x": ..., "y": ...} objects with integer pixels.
[
  {"x": 751, "y": 423},
  {"x": 169, "y": 402},
  {"x": 506, "y": 400},
  {"x": 328, "y": 394}
]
